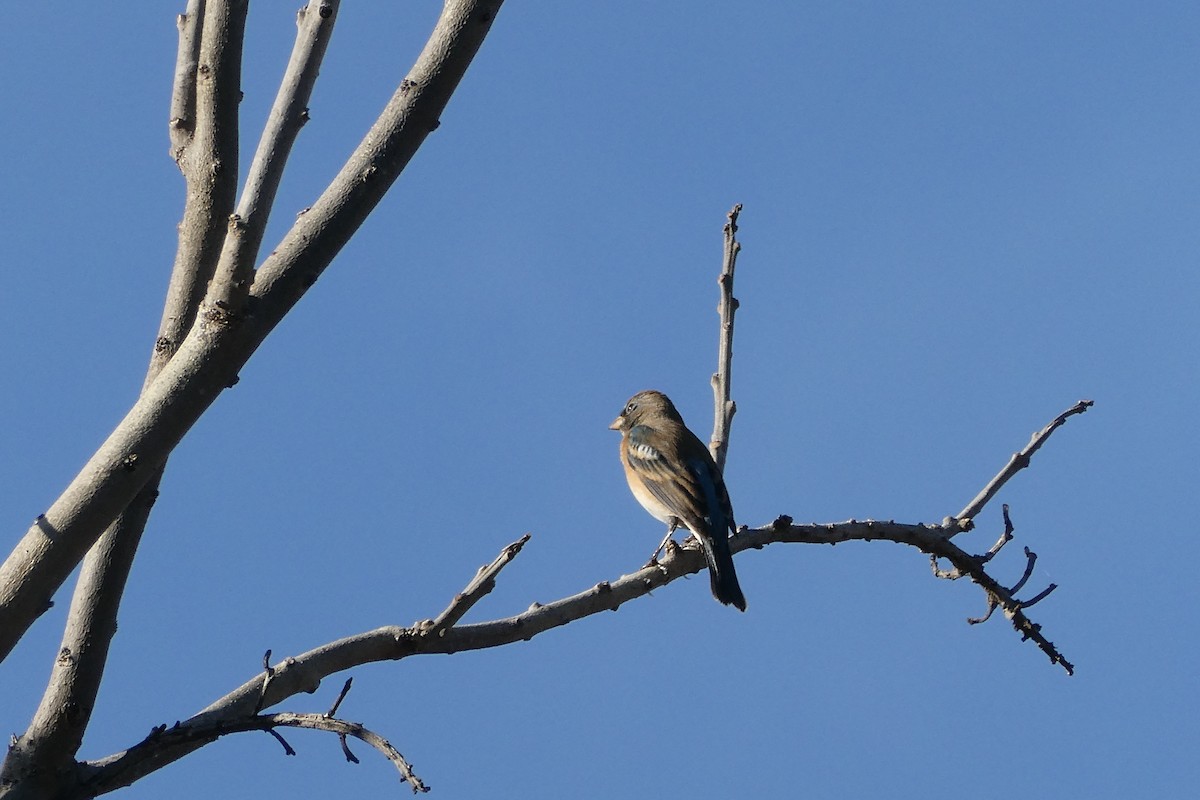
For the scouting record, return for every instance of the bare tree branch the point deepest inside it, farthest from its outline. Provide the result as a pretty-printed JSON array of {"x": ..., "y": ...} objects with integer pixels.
[
  {"x": 723, "y": 407},
  {"x": 155, "y": 751},
  {"x": 1018, "y": 462},
  {"x": 332, "y": 712},
  {"x": 444, "y": 634},
  {"x": 183, "y": 93},
  {"x": 483, "y": 583},
  {"x": 1040, "y": 596},
  {"x": 196, "y": 734},
  {"x": 305, "y": 672},
  {"x": 56, "y": 731},
  {"x": 998, "y": 596},
  {"x": 954, "y": 574},
  {"x": 215, "y": 143},
  {"x": 234, "y": 271},
  {"x": 1030, "y": 560},
  {"x": 54, "y": 735},
  {"x": 1004, "y": 539},
  {"x": 208, "y": 360},
  {"x": 218, "y": 311}
]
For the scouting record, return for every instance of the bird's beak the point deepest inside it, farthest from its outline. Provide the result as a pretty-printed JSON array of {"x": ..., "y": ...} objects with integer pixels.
[{"x": 616, "y": 424}]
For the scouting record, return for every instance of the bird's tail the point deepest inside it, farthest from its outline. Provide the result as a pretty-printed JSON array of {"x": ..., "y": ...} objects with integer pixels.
[{"x": 721, "y": 574}]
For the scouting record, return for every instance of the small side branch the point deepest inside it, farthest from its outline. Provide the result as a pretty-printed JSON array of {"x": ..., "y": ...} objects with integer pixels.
[
  {"x": 1018, "y": 462},
  {"x": 183, "y": 94},
  {"x": 998, "y": 595},
  {"x": 203, "y": 732},
  {"x": 723, "y": 407},
  {"x": 483, "y": 583},
  {"x": 288, "y": 678},
  {"x": 332, "y": 712},
  {"x": 235, "y": 269},
  {"x": 1004, "y": 539}
]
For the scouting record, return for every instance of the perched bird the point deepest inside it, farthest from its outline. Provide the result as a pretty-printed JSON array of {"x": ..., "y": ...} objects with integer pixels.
[{"x": 672, "y": 474}]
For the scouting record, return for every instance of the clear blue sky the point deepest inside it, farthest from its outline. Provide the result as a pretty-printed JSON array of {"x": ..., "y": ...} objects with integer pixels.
[{"x": 960, "y": 218}]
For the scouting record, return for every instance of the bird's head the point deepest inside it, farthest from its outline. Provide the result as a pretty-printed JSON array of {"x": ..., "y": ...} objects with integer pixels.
[{"x": 645, "y": 406}]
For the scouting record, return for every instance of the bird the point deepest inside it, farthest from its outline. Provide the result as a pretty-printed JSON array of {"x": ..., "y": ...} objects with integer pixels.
[{"x": 674, "y": 477}]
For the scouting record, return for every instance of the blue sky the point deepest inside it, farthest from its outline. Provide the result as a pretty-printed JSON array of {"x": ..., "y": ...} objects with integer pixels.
[{"x": 959, "y": 219}]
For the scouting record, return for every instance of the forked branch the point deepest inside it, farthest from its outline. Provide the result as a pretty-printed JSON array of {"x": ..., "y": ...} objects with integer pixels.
[
  {"x": 197, "y": 733},
  {"x": 277, "y": 682},
  {"x": 239, "y": 710},
  {"x": 208, "y": 359}
]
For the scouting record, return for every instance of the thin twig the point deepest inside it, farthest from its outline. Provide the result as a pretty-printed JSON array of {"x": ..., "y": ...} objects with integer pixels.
[
  {"x": 998, "y": 596},
  {"x": 183, "y": 93},
  {"x": 1030, "y": 560},
  {"x": 332, "y": 712},
  {"x": 723, "y": 407},
  {"x": 483, "y": 583},
  {"x": 234, "y": 271},
  {"x": 194, "y": 732},
  {"x": 353, "y": 759},
  {"x": 345, "y": 728},
  {"x": 992, "y": 604},
  {"x": 1018, "y": 462},
  {"x": 1039, "y": 597},
  {"x": 1004, "y": 539},
  {"x": 287, "y": 748}
]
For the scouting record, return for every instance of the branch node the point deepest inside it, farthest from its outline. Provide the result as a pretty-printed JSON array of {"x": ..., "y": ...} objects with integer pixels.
[
  {"x": 944, "y": 574},
  {"x": 268, "y": 674},
  {"x": 992, "y": 603}
]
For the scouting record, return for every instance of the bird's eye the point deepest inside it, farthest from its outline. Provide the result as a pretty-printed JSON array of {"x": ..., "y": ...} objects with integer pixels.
[{"x": 630, "y": 408}]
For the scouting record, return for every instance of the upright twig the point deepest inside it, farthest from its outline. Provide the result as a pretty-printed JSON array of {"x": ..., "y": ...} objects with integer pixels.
[
  {"x": 234, "y": 271},
  {"x": 183, "y": 93},
  {"x": 723, "y": 407},
  {"x": 209, "y": 157}
]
